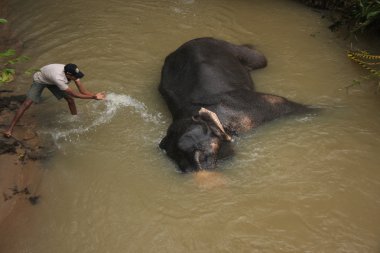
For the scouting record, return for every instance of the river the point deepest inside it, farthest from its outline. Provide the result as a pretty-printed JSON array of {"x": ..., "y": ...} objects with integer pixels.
[{"x": 301, "y": 184}]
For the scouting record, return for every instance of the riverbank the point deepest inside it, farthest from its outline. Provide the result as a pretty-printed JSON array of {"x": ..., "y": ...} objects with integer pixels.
[{"x": 20, "y": 156}]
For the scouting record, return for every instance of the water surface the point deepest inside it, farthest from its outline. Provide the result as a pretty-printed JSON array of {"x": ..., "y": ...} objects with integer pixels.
[{"x": 301, "y": 184}]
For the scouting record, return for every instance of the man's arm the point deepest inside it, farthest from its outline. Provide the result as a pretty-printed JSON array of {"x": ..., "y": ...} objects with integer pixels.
[
  {"x": 81, "y": 88},
  {"x": 97, "y": 96}
]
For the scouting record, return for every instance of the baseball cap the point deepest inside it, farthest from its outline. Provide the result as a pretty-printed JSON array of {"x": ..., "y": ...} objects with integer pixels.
[{"x": 74, "y": 70}]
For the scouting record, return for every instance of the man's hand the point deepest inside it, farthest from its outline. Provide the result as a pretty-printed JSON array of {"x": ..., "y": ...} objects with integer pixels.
[{"x": 100, "y": 95}]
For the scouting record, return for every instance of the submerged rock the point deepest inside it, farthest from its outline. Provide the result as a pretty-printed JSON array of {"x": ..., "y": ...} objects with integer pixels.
[
  {"x": 12, "y": 102},
  {"x": 7, "y": 145}
]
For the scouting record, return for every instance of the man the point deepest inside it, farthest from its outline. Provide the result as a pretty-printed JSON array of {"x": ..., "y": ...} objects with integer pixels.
[{"x": 56, "y": 78}]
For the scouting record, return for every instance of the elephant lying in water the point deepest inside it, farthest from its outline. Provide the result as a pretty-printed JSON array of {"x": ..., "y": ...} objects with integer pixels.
[{"x": 207, "y": 86}]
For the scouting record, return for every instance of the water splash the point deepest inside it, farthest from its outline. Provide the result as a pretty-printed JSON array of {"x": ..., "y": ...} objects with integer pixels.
[
  {"x": 115, "y": 101},
  {"x": 70, "y": 128}
]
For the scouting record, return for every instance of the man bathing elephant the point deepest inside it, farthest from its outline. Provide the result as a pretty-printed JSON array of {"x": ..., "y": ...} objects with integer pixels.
[{"x": 207, "y": 86}]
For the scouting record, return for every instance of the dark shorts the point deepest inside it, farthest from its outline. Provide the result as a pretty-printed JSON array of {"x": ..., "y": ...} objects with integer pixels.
[{"x": 36, "y": 89}]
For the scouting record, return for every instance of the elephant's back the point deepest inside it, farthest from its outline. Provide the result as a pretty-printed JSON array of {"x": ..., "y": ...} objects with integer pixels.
[{"x": 201, "y": 69}]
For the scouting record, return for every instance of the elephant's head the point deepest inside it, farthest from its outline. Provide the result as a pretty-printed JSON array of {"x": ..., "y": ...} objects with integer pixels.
[{"x": 198, "y": 142}]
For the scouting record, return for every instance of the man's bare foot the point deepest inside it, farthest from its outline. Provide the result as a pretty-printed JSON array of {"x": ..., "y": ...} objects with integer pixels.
[{"x": 7, "y": 134}]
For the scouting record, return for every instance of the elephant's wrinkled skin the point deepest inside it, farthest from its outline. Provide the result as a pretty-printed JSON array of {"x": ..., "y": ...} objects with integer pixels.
[{"x": 207, "y": 86}]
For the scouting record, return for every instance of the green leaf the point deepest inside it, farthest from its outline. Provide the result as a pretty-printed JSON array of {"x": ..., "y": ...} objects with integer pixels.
[
  {"x": 9, "y": 71},
  {"x": 22, "y": 58},
  {"x": 31, "y": 71},
  {"x": 9, "y": 52},
  {"x": 7, "y": 75},
  {"x": 355, "y": 82},
  {"x": 373, "y": 14},
  {"x": 3, "y": 21}
]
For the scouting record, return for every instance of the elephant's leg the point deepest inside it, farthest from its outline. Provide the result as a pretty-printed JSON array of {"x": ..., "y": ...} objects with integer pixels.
[
  {"x": 250, "y": 57},
  {"x": 277, "y": 106}
]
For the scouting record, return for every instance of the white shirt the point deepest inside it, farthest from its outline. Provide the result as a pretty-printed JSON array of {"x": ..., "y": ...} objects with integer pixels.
[{"x": 52, "y": 74}]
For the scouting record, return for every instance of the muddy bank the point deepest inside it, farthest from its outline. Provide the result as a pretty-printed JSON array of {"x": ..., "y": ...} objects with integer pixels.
[{"x": 20, "y": 156}]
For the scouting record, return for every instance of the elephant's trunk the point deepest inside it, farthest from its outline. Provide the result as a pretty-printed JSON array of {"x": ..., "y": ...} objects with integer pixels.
[{"x": 197, "y": 155}]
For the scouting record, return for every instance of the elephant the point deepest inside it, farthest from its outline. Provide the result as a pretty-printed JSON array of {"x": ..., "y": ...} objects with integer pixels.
[{"x": 207, "y": 86}]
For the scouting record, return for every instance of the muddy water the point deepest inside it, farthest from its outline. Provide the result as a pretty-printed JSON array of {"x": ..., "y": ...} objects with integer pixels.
[{"x": 301, "y": 184}]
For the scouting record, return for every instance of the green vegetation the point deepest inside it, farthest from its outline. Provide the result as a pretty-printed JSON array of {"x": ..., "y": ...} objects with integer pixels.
[
  {"x": 360, "y": 15},
  {"x": 7, "y": 61},
  {"x": 355, "y": 15},
  {"x": 364, "y": 15}
]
